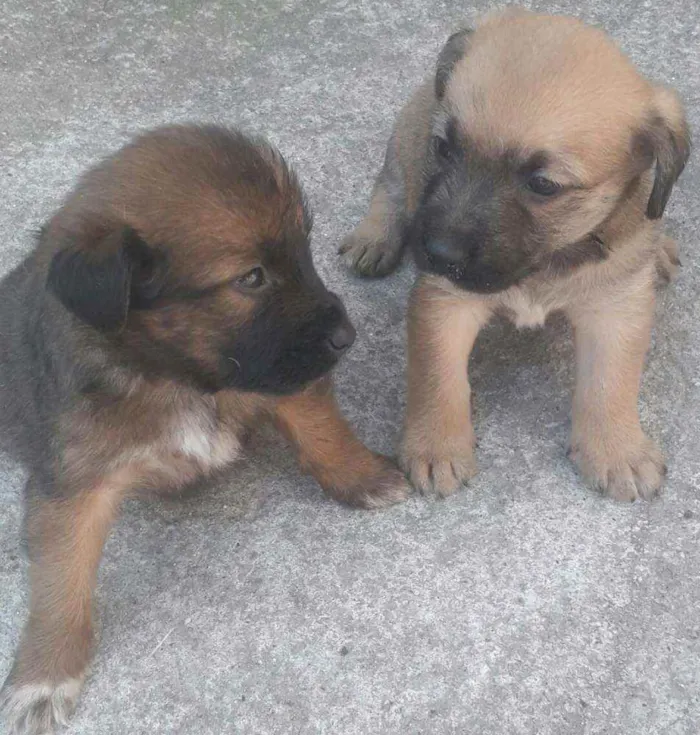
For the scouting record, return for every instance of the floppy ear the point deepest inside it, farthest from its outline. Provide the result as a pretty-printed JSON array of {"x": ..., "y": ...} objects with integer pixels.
[
  {"x": 451, "y": 53},
  {"x": 101, "y": 286},
  {"x": 669, "y": 137}
]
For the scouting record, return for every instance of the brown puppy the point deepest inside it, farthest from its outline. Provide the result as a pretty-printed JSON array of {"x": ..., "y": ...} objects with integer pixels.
[
  {"x": 170, "y": 304},
  {"x": 529, "y": 175}
]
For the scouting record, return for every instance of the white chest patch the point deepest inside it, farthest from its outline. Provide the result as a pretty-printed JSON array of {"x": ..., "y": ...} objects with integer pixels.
[
  {"x": 196, "y": 436},
  {"x": 523, "y": 311}
]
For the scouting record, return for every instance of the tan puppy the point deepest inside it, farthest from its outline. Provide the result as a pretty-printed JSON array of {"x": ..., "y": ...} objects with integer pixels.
[{"x": 528, "y": 177}]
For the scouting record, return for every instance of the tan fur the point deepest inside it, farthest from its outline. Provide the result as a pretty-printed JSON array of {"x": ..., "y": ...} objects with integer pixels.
[
  {"x": 374, "y": 247},
  {"x": 438, "y": 443},
  {"x": 612, "y": 335},
  {"x": 585, "y": 105}
]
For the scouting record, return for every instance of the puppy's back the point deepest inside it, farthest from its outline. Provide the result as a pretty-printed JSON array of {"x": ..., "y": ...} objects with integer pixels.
[{"x": 32, "y": 373}]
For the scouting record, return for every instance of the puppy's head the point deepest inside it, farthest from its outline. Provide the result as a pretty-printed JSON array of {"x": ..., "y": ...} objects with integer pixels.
[
  {"x": 189, "y": 251},
  {"x": 542, "y": 130}
]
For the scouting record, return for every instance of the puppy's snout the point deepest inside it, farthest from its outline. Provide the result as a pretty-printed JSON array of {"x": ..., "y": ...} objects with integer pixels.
[
  {"x": 342, "y": 337},
  {"x": 458, "y": 247},
  {"x": 445, "y": 249}
]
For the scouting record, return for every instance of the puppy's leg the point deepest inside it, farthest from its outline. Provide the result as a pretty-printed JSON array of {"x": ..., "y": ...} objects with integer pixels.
[
  {"x": 667, "y": 261},
  {"x": 330, "y": 451},
  {"x": 437, "y": 449},
  {"x": 65, "y": 536},
  {"x": 374, "y": 248},
  {"x": 607, "y": 441}
]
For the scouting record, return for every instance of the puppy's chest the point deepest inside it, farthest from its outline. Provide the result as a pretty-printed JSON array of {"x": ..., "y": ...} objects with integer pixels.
[
  {"x": 176, "y": 434},
  {"x": 525, "y": 309},
  {"x": 195, "y": 434}
]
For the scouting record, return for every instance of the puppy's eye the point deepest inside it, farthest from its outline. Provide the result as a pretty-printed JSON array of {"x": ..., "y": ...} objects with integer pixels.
[
  {"x": 442, "y": 148},
  {"x": 543, "y": 186},
  {"x": 252, "y": 279}
]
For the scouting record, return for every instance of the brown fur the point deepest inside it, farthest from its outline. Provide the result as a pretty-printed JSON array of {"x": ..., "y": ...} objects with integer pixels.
[
  {"x": 548, "y": 90},
  {"x": 329, "y": 450},
  {"x": 131, "y": 378}
]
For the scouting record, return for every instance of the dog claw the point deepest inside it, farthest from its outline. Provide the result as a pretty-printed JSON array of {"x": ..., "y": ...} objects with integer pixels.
[
  {"x": 637, "y": 472},
  {"x": 368, "y": 257}
]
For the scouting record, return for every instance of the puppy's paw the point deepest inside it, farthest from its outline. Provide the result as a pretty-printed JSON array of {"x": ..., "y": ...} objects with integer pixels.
[
  {"x": 368, "y": 256},
  {"x": 635, "y": 471},
  {"x": 440, "y": 468},
  {"x": 385, "y": 485},
  {"x": 38, "y": 708}
]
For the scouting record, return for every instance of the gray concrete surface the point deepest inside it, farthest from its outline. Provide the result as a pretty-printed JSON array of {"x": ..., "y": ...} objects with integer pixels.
[{"x": 526, "y": 604}]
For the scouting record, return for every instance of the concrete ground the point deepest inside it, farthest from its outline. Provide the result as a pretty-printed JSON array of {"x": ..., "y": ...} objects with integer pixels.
[{"x": 526, "y": 604}]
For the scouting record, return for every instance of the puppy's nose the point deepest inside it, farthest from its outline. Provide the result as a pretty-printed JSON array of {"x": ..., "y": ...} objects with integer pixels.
[
  {"x": 444, "y": 249},
  {"x": 342, "y": 337}
]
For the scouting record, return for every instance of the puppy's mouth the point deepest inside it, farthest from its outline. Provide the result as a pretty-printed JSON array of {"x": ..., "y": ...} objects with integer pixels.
[
  {"x": 479, "y": 277},
  {"x": 288, "y": 363}
]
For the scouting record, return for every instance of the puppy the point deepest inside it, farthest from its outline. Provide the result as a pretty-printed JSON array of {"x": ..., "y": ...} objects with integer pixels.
[
  {"x": 171, "y": 304},
  {"x": 529, "y": 176}
]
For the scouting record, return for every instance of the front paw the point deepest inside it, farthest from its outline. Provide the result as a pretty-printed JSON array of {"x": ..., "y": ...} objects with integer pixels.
[
  {"x": 367, "y": 256},
  {"x": 636, "y": 470},
  {"x": 38, "y": 708},
  {"x": 379, "y": 487},
  {"x": 438, "y": 466}
]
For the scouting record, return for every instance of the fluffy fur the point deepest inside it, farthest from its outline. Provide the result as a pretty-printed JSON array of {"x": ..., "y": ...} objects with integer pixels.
[
  {"x": 528, "y": 176},
  {"x": 170, "y": 305}
]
